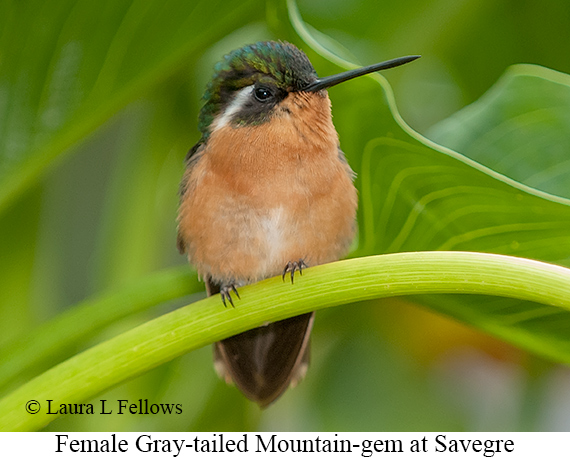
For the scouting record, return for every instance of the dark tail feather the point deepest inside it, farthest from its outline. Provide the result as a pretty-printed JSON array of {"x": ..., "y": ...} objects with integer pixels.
[{"x": 264, "y": 361}]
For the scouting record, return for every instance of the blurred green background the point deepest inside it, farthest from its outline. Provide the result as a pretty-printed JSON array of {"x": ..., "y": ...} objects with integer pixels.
[{"x": 98, "y": 107}]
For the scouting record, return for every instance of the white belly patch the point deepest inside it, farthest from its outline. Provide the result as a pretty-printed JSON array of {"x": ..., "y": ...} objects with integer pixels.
[{"x": 273, "y": 227}]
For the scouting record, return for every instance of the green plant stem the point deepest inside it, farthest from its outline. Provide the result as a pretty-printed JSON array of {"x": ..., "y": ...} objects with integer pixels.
[
  {"x": 73, "y": 326},
  {"x": 162, "y": 339}
]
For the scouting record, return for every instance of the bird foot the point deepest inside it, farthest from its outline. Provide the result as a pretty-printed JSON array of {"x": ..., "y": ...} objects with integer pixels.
[
  {"x": 292, "y": 267},
  {"x": 225, "y": 292}
]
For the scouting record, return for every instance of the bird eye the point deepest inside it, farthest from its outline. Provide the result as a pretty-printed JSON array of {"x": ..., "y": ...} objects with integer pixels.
[{"x": 262, "y": 94}]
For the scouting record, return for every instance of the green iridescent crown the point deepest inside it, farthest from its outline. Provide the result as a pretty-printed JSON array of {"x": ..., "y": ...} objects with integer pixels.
[{"x": 279, "y": 62}]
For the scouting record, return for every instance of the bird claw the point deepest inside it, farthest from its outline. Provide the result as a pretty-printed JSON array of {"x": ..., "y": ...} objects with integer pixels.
[
  {"x": 292, "y": 267},
  {"x": 225, "y": 292}
]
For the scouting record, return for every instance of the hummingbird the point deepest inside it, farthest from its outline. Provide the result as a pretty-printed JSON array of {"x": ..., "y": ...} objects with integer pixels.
[{"x": 267, "y": 191}]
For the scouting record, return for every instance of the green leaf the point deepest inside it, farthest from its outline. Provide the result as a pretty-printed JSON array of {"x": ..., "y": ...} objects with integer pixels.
[
  {"x": 67, "y": 67},
  {"x": 418, "y": 195},
  {"x": 415, "y": 197},
  {"x": 519, "y": 128}
]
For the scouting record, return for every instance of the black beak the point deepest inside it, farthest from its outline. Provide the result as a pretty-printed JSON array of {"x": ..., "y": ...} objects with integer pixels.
[{"x": 323, "y": 83}]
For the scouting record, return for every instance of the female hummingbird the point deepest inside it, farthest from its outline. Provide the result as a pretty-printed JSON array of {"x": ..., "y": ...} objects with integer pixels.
[{"x": 266, "y": 191}]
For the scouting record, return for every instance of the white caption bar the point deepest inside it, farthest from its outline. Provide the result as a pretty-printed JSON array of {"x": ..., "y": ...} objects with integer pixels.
[{"x": 286, "y": 444}]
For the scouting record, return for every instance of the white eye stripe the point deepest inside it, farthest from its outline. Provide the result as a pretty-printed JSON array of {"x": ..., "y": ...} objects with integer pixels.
[{"x": 236, "y": 104}]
